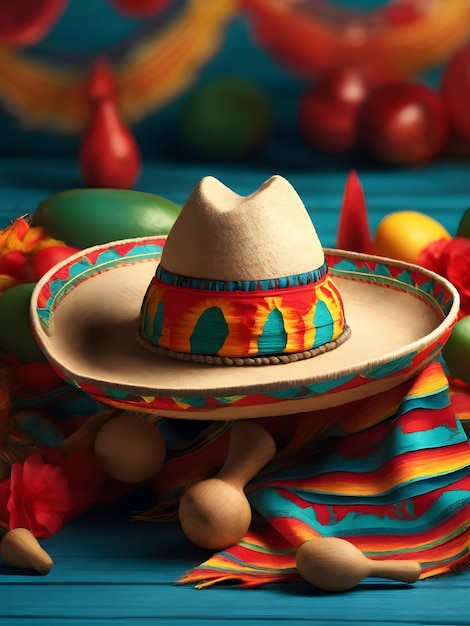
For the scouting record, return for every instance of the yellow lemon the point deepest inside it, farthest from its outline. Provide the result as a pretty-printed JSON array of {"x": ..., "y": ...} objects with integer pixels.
[{"x": 404, "y": 234}]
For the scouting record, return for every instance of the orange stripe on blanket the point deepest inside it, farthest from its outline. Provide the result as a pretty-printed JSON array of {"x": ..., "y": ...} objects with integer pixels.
[{"x": 398, "y": 471}]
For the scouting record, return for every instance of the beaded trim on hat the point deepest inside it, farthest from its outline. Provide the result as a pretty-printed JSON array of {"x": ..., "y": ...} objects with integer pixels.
[
  {"x": 274, "y": 359},
  {"x": 296, "y": 280}
]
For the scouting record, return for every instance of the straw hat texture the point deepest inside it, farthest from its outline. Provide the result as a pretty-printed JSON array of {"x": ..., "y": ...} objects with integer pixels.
[{"x": 238, "y": 313}]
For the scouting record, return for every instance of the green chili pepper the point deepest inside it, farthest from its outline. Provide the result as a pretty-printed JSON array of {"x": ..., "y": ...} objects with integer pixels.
[{"x": 87, "y": 217}]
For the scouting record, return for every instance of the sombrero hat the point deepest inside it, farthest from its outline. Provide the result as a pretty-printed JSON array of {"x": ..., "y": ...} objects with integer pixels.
[{"x": 238, "y": 313}]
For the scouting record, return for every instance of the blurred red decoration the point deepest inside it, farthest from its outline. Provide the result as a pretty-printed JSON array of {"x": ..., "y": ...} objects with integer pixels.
[
  {"x": 140, "y": 8},
  {"x": 353, "y": 227},
  {"x": 456, "y": 90},
  {"x": 404, "y": 123},
  {"x": 329, "y": 108},
  {"x": 109, "y": 155},
  {"x": 25, "y": 22}
]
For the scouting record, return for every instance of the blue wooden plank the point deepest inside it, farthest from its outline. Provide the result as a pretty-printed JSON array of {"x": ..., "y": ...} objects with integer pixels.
[
  {"x": 217, "y": 621},
  {"x": 108, "y": 567},
  {"x": 370, "y": 603},
  {"x": 441, "y": 190}
]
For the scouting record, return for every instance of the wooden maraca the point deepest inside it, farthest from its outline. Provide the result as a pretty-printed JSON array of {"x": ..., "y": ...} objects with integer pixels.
[
  {"x": 20, "y": 548},
  {"x": 130, "y": 448},
  {"x": 215, "y": 513},
  {"x": 334, "y": 564}
]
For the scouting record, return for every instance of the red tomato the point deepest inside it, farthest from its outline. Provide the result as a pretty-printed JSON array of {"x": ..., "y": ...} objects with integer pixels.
[
  {"x": 40, "y": 262},
  {"x": 404, "y": 123},
  {"x": 456, "y": 90},
  {"x": 328, "y": 110}
]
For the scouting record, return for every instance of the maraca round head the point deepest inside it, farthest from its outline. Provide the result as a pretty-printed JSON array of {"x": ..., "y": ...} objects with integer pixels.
[{"x": 214, "y": 514}]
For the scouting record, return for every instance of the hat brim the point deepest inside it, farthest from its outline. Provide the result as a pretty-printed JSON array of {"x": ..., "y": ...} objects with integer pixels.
[{"x": 85, "y": 317}]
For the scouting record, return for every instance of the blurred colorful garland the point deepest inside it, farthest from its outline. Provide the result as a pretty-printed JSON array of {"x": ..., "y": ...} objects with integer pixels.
[
  {"x": 403, "y": 36},
  {"x": 406, "y": 36},
  {"x": 155, "y": 70}
]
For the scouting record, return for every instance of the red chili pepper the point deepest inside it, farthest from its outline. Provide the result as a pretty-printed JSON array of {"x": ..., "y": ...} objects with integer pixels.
[{"x": 353, "y": 229}]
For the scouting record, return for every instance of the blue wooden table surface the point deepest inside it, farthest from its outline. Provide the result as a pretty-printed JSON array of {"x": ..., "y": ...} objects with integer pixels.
[{"x": 109, "y": 569}]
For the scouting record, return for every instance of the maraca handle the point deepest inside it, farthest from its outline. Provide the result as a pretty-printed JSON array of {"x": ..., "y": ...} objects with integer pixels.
[
  {"x": 250, "y": 448},
  {"x": 404, "y": 571}
]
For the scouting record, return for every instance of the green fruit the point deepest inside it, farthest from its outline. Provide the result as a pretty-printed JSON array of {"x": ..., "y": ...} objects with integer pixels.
[
  {"x": 15, "y": 332},
  {"x": 226, "y": 118},
  {"x": 456, "y": 352},
  {"x": 87, "y": 217},
  {"x": 463, "y": 229}
]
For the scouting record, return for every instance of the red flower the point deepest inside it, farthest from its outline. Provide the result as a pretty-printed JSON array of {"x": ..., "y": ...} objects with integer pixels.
[
  {"x": 42, "y": 497},
  {"x": 451, "y": 259},
  {"x": 19, "y": 243},
  {"x": 431, "y": 257},
  {"x": 84, "y": 473},
  {"x": 39, "y": 497},
  {"x": 458, "y": 270}
]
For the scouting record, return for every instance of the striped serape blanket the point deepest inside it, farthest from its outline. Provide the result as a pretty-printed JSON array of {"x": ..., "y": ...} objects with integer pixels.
[{"x": 391, "y": 474}]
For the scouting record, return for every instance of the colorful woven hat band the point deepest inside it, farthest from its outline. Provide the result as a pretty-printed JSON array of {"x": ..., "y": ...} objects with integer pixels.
[{"x": 243, "y": 322}]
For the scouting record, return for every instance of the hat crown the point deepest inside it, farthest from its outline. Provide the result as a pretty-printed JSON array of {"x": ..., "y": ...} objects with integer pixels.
[
  {"x": 221, "y": 235},
  {"x": 243, "y": 278}
]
